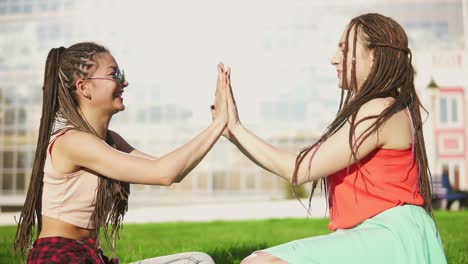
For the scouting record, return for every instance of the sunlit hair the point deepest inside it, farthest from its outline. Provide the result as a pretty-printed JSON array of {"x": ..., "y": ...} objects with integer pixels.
[
  {"x": 391, "y": 75},
  {"x": 60, "y": 108}
]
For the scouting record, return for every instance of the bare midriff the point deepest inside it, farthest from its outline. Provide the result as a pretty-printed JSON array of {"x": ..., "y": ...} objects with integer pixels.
[{"x": 52, "y": 227}]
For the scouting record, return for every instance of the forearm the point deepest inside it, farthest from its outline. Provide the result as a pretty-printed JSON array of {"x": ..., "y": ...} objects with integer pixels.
[
  {"x": 182, "y": 160},
  {"x": 270, "y": 158}
]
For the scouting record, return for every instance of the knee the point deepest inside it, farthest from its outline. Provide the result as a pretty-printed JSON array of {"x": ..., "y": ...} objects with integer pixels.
[
  {"x": 247, "y": 260},
  {"x": 253, "y": 258},
  {"x": 262, "y": 258}
]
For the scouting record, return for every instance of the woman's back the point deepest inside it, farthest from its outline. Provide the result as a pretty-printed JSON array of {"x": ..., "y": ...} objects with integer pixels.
[
  {"x": 69, "y": 198},
  {"x": 385, "y": 178}
]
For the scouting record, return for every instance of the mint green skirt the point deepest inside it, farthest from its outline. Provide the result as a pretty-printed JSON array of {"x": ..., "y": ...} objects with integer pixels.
[{"x": 403, "y": 234}]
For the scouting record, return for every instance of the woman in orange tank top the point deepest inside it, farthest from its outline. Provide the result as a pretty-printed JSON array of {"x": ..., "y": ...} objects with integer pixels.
[
  {"x": 371, "y": 158},
  {"x": 81, "y": 176}
]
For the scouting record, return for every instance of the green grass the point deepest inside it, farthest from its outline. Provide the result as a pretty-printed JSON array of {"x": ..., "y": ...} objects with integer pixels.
[{"x": 229, "y": 242}]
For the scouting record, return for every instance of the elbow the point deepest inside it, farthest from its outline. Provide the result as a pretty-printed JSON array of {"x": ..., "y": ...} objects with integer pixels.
[
  {"x": 310, "y": 178},
  {"x": 304, "y": 179},
  {"x": 177, "y": 180},
  {"x": 298, "y": 183},
  {"x": 166, "y": 181},
  {"x": 169, "y": 178}
]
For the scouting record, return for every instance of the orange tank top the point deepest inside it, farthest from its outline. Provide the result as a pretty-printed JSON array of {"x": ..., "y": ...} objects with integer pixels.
[
  {"x": 386, "y": 178},
  {"x": 68, "y": 197}
]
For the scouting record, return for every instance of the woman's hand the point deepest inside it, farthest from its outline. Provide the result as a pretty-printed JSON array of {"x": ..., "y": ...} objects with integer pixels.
[
  {"x": 233, "y": 116},
  {"x": 219, "y": 108}
]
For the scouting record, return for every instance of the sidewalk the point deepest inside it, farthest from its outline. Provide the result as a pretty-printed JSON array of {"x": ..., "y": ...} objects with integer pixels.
[{"x": 226, "y": 211}]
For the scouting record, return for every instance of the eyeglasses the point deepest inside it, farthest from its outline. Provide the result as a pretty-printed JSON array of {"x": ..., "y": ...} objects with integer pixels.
[{"x": 118, "y": 77}]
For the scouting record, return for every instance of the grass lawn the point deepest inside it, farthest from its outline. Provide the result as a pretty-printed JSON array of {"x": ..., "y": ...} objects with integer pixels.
[{"x": 230, "y": 241}]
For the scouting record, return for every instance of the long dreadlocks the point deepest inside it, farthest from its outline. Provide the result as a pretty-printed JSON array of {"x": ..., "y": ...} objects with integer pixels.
[
  {"x": 392, "y": 75},
  {"x": 60, "y": 107}
]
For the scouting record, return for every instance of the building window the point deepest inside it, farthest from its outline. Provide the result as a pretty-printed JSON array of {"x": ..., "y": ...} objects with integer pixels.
[
  {"x": 454, "y": 110},
  {"x": 22, "y": 161},
  {"x": 7, "y": 183},
  {"x": 250, "y": 179},
  {"x": 443, "y": 110},
  {"x": 8, "y": 159},
  {"x": 219, "y": 181},
  {"x": 450, "y": 110}
]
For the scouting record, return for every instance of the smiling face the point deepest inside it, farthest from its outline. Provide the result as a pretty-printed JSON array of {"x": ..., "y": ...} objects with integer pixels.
[
  {"x": 362, "y": 60},
  {"x": 101, "y": 88}
]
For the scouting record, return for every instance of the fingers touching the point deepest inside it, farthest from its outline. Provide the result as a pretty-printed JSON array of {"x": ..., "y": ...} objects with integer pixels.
[{"x": 219, "y": 108}]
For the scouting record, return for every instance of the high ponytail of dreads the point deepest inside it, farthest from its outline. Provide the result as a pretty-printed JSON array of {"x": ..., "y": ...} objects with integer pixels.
[
  {"x": 32, "y": 207},
  {"x": 60, "y": 108}
]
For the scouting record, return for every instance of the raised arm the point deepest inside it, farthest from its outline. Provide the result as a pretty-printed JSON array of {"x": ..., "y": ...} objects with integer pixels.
[
  {"x": 333, "y": 155},
  {"x": 81, "y": 149},
  {"x": 125, "y": 147}
]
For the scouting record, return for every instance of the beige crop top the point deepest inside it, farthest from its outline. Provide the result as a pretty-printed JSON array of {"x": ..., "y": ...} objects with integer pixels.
[{"x": 68, "y": 197}]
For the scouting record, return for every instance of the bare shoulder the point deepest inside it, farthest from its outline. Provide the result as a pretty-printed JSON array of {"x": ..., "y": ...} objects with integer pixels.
[
  {"x": 76, "y": 137},
  {"x": 67, "y": 146},
  {"x": 73, "y": 141},
  {"x": 397, "y": 124},
  {"x": 374, "y": 107}
]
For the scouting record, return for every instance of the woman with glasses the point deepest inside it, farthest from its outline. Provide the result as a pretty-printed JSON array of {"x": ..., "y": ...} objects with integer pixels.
[{"x": 82, "y": 170}]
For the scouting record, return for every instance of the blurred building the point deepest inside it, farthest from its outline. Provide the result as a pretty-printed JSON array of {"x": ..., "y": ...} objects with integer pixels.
[
  {"x": 445, "y": 97},
  {"x": 284, "y": 56}
]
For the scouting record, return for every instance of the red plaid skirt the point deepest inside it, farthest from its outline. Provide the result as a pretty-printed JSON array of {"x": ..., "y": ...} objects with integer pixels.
[{"x": 67, "y": 251}]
